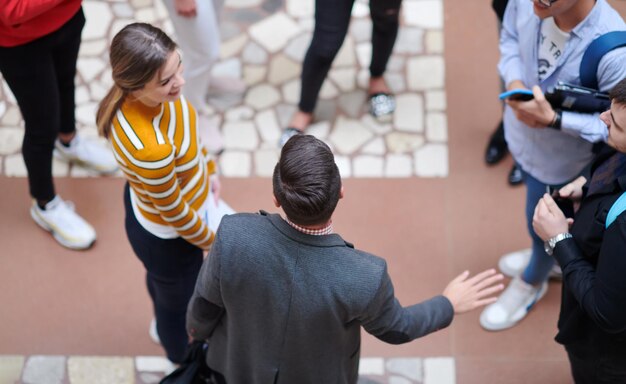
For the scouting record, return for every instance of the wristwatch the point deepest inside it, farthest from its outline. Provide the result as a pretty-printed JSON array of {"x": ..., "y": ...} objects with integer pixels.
[{"x": 549, "y": 245}]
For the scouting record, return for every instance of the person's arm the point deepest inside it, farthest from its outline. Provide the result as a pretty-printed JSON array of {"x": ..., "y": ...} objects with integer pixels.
[
  {"x": 206, "y": 306},
  {"x": 19, "y": 11},
  {"x": 611, "y": 70},
  {"x": 510, "y": 64},
  {"x": 387, "y": 320},
  {"x": 600, "y": 291}
]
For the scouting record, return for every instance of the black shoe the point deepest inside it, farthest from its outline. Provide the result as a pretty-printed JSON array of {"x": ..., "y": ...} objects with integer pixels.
[
  {"x": 515, "y": 176},
  {"x": 496, "y": 148}
]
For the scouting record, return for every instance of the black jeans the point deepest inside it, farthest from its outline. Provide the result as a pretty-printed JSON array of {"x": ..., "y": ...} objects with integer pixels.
[
  {"x": 172, "y": 267},
  {"x": 595, "y": 364},
  {"x": 41, "y": 76},
  {"x": 332, "y": 18}
]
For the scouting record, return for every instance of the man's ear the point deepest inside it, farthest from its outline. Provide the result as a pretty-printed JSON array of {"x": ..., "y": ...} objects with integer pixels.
[{"x": 276, "y": 203}]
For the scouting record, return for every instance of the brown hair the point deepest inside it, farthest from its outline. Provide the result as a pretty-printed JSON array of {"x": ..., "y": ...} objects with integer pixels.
[
  {"x": 618, "y": 93},
  {"x": 306, "y": 181},
  {"x": 137, "y": 54}
]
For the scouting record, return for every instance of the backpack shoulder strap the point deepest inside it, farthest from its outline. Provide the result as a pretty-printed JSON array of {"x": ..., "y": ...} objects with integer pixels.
[
  {"x": 594, "y": 52},
  {"x": 618, "y": 207}
]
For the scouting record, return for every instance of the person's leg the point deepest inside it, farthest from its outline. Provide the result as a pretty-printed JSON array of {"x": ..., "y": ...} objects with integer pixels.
[
  {"x": 540, "y": 262},
  {"x": 29, "y": 72},
  {"x": 172, "y": 267},
  {"x": 199, "y": 39},
  {"x": 385, "y": 23}
]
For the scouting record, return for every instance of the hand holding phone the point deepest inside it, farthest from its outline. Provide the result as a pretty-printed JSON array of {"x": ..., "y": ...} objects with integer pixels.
[
  {"x": 564, "y": 203},
  {"x": 517, "y": 95}
]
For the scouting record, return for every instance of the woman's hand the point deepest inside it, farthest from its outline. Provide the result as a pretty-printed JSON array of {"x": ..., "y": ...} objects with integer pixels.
[
  {"x": 186, "y": 8},
  {"x": 536, "y": 113},
  {"x": 549, "y": 220},
  {"x": 467, "y": 294}
]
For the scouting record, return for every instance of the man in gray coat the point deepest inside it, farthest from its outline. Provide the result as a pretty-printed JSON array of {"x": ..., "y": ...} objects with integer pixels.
[{"x": 282, "y": 300}]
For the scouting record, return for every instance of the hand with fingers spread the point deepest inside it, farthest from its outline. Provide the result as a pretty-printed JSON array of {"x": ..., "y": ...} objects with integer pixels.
[
  {"x": 536, "y": 113},
  {"x": 549, "y": 220},
  {"x": 468, "y": 293}
]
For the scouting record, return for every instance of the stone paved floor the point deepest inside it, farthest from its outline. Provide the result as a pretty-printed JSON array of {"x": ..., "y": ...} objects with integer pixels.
[
  {"x": 264, "y": 42},
  {"x": 45, "y": 369}
]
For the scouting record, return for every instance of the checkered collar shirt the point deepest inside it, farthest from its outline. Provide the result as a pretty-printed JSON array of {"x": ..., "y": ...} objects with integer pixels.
[{"x": 327, "y": 230}]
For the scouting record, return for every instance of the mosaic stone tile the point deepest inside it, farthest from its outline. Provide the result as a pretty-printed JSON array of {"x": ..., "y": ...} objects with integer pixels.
[
  {"x": 431, "y": 160},
  {"x": 344, "y": 166},
  {"x": 424, "y": 13},
  {"x": 89, "y": 68},
  {"x": 101, "y": 370},
  {"x": 149, "y": 378},
  {"x": 360, "y": 9},
  {"x": 268, "y": 126},
  {"x": 375, "y": 125},
  {"x": 399, "y": 380},
  {"x": 396, "y": 63},
  {"x": 81, "y": 94},
  {"x": 296, "y": 49},
  {"x": 98, "y": 90},
  {"x": 228, "y": 29},
  {"x": 326, "y": 110},
  {"x": 436, "y": 127},
  {"x": 233, "y": 46},
  {"x": 262, "y": 96},
  {"x": 44, "y": 370},
  {"x": 344, "y": 78},
  {"x": 399, "y": 142},
  {"x": 306, "y": 25},
  {"x": 122, "y": 10},
  {"x": 118, "y": 24},
  {"x": 346, "y": 57},
  {"x": 86, "y": 113},
  {"x": 291, "y": 91},
  {"x": 439, "y": 370},
  {"x": 352, "y": 103},
  {"x": 93, "y": 48},
  {"x": 368, "y": 166},
  {"x": 282, "y": 69},
  {"x": 7, "y": 94},
  {"x": 348, "y": 135},
  {"x": 396, "y": 82},
  {"x": 227, "y": 68},
  {"x": 97, "y": 27},
  {"x": 372, "y": 366},
  {"x": 271, "y": 6},
  {"x": 364, "y": 54},
  {"x": 409, "y": 114},
  {"x": 435, "y": 100},
  {"x": 375, "y": 147},
  {"x": 14, "y": 166},
  {"x": 225, "y": 101},
  {"x": 11, "y": 368},
  {"x": 146, "y": 15},
  {"x": 425, "y": 73},
  {"x": 265, "y": 160},
  {"x": 319, "y": 129},
  {"x": 239, "y": 113},
  {"x": 274, "y": 32},
  {"x": 243, "y": 3},
  {"x": 434, "y": 41},
  {"x": 254, "y": 74},
  {"x": 254, "y": 54},
  {"x": 11, "y": 140},
  {"x": 153, "y": 364},
  {"x": 300, "y": 8},
  {"x": 361, "y": 30},
  {"x": 409, "y": 41},
  {"x": 235, "y": 163},
  {"x": 141, "y": 3},
  {"x": 398, "y": 165},
  {"x": 246, "y": 16},
  {"x": 60, "y": 167},
  {"x": 240, "y": 135},
  {"x": 410, "y": 368},
  {"x": 328, "y": 91},
  {"x": 363, "y": 78}
]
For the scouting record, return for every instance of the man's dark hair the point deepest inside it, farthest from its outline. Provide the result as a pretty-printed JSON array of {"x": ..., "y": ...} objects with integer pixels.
[
  {"x": 306, "y": 180},
  {"x": 618, "y": 93}
]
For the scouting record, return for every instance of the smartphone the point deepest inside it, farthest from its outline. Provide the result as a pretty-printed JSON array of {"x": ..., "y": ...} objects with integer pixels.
[
  {"x": 517, "y": 95},
  {"x": 566, "y": 205}
]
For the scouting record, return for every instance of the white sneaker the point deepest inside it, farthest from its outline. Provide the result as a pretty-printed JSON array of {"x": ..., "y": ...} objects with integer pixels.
[
  {"x": 152, "y": 331},
  {"x": 513, "y": 264},
  {"x": 88, "y": 153},
  {"x": 512, "y": 306},
  {"x": 67, "y": 227}
]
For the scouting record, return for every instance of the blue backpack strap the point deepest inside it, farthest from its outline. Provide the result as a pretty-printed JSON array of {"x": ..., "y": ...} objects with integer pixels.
[
  {"x": 591, "y": 58},
  {"x": 618, "y": 207}
]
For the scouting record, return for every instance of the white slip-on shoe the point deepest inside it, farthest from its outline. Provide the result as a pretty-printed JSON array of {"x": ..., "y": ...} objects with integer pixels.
[
  {"x": 513, "y": 264},
  {"x": 512, "y": 305},
  {"x": 87, "y": 152},
  {"x": 152, "y": 331},
  {"x": 66, "y": 226}
]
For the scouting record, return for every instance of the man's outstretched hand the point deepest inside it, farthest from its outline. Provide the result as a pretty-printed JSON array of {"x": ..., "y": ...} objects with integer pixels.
[{"x": 468, "y": 293}]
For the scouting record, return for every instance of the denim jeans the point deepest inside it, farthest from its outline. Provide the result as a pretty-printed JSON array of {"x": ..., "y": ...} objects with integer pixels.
[{"x": 172, "y": 267}]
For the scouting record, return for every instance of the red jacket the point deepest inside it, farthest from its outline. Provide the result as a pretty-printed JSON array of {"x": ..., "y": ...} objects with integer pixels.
[{"x": 22, "y": 21}]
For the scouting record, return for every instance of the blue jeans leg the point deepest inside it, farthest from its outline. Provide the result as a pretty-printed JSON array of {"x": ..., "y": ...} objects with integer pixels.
[{"x": 540, "y": 262}]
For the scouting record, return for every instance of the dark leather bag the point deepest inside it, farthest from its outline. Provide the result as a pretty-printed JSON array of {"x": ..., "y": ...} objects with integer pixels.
[{"x": 193, "y": 369}]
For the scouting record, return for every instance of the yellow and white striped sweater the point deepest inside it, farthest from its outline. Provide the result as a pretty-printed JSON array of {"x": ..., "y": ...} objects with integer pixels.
[{"x": 159, "y": 151}]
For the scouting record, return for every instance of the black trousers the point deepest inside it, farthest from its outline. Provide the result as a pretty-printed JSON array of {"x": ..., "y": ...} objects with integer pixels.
[
  {"x": 595, "y": 364},
  {"x": 172, "y": 267},
  {"x": 41, "y": 76},
  {"x": 332, "y": 18}
]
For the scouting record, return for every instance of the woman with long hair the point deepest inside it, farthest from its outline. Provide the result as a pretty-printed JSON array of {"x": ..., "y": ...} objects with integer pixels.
[{"x": 153, "y": 132}]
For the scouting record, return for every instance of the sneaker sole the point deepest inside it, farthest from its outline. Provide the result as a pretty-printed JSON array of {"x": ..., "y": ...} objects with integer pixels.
[
  {"x": 104, "y": 171},
  {"x": 517, "y": 319},
  {"x": 57, "y": 236},
  {"x": 510, "y": 272}
]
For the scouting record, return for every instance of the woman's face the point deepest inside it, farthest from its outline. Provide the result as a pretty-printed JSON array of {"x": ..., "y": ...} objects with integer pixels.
[
  {"x": 166, "y": 85},
  {"x": 615, "y": 120}
]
